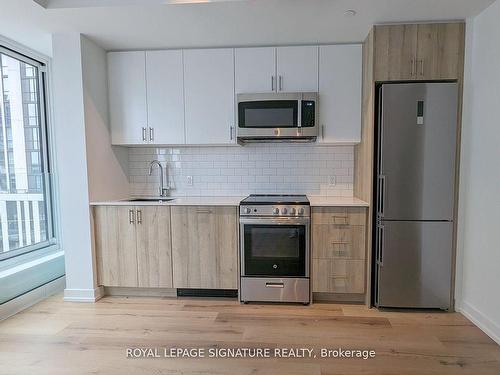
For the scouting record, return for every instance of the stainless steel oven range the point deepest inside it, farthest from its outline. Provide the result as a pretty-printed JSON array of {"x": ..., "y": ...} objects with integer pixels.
[{"x": 275, "y": 249}]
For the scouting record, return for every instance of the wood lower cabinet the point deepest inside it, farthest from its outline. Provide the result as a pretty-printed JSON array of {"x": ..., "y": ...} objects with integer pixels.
[
  {"x": 339, "y": 249},
  {"x": 115, "y": 245},
  {"x": 133, "y": 247},
  {"x": 154, "y": 253},
  {"x": 205, "y": 247}
]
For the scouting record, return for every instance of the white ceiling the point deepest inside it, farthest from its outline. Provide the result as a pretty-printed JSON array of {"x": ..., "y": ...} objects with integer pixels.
[{"x": 213, "y": 24}]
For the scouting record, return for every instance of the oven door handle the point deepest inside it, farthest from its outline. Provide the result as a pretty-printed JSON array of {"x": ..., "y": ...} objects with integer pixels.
[
  {"x": 275, "y": 220},
  {"x": 275, "y": 285}
]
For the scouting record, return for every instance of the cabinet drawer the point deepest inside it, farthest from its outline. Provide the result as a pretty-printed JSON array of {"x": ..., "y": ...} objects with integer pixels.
[
  {"x": 338, "y": 276},
  {"x": 339, "y": 215},
  {"x": 334, "y": 241},
  {"x": 348, "y": 276}
]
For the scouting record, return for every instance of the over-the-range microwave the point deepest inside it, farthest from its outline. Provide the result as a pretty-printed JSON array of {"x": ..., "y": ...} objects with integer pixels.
[{"x": 277, "y": 117}]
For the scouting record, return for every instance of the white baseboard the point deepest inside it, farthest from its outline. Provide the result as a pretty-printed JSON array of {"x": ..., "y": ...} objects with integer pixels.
[
  {"x": 486, "y": 325},
  {"x": 29, "y": 299},
  {"x": 83, "y": 295}
]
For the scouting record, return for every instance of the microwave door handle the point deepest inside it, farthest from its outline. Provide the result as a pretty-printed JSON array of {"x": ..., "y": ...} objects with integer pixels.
[{"x": 299, "y": 114}]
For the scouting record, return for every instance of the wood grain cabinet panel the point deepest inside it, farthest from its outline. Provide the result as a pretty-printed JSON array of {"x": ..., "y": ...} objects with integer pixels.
[
  {"x": 133, "y": 246},
  {"x": 204, "y": 247},
  {"x": 338, "y": 276},
  {"x": 339, "y": 215},
  {"x": 345, "y": 242},
  {"x": 419, "y": 52},
  {"x": 395, "y": 52},
  {"x": 116, "y": 251},
  {"x": 440, "y": 51},
  {"x": 339, "y": 249},
  {"x": 154, "y": 251},
  {"x": 347, "y": 276}
]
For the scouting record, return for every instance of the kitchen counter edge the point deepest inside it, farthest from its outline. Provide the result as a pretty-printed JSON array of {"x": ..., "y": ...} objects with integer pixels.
[{"x": 316, "y": 201}]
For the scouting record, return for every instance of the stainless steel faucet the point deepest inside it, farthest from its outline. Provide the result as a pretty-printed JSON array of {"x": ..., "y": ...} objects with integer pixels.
[{"x": 163, "y": 190}]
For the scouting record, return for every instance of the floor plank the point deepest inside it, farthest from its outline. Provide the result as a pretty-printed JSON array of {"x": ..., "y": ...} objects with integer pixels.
[{"x": 56, "y": 337}]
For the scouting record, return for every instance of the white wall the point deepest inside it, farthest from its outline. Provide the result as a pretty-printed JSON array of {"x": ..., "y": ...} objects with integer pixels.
[
  {"x": 88, "y": 168},
  {"x": 478, "y": 274},
  {"x": 107, "y": 166},
  {"x": 69, "y": 130}
]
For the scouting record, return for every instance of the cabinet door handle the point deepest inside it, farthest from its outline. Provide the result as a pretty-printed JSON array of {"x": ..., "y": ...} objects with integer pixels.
[
  {"x": 151, "y": 134},
  {"x": 231, "y": 130},
  {"x": 131, "y": 216},
  {"x": 139, "y": 216},
  {"x": 421, "y": 67},
  {"x": 322, "y": 132},
  {"x": 272, "y": 83},
  {"x": 144, "y": 134},
  {"x": 281, "y": 83}
]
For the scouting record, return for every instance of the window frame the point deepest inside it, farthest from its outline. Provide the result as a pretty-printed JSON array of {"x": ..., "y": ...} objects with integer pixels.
[{"x": 42, "y": 64}]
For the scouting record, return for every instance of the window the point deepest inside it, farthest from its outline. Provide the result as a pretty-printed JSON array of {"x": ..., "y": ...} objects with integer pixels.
[{"x": 25, "y": 196}]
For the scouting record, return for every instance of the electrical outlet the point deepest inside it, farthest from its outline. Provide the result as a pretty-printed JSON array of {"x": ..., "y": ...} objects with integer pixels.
[
  {"x": 332, "y": 181},
  {"x": 189, "y": 180}
]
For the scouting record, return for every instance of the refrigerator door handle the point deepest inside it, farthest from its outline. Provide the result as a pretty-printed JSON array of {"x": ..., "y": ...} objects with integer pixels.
[
  {"x": 380, "y": 244},
  {"x": 381, "y": 195}
]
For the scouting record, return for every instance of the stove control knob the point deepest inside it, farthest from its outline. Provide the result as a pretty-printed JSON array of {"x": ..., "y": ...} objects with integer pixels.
[
  {"x": 284, "y": 211},
  {"x": 301, "y": 211},
  {"x": 247, "y": 210},
  {"x": 276, "y": 211},
  {"x": 292, "y": 211}
]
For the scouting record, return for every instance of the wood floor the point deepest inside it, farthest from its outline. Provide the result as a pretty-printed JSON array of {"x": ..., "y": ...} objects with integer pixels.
[{"x": 56, "y": 337}]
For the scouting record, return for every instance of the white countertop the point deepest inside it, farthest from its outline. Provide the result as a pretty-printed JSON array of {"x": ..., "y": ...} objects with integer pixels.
[
  {"x": 316, "y": 201},
  {"x": 177, "y": 201},
  {"x": 322, "y": 201}
]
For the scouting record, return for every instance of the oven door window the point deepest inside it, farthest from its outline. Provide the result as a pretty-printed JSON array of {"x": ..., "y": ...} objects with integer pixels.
[
  {"x": 268, "y": 114},
  {"x": 275, "y": 250}
]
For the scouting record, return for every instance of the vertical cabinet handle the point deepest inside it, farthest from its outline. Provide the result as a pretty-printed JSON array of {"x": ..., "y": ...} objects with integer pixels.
[
  {"x": 272, "y": 83},
  {"x": 151, "y": 134},
  {"x": 412, "y": 68},
  {"x": 144, "y": 134},
  {"x": 139, "y": 216},
  {"x": 421, "y": 67},
  {"x": 322, "y": 132},
  {"x": 131, "y": 216},
  {"x": 231, "y": 129},
  {"x": 281, "y": 83}
]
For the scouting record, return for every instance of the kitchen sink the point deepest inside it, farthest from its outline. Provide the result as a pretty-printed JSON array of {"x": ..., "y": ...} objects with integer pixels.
[{"x": 149, "y": 199}]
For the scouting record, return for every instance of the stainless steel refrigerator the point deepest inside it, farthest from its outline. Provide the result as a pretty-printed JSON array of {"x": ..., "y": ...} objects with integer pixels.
[{"x": 415, "y": 194}]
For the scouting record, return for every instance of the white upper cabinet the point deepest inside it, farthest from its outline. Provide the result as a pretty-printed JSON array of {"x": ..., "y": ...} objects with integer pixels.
[
  {"x": 255, "y": 70},
  {"x": 297, "y": 69},
  {"x": 209, "y": 96},
  {"x": 178, "y": 97},
  {"x": 165, "y": 97},
  {"x": 340, "y": 80},
  {"x": 127, "y": 97}
]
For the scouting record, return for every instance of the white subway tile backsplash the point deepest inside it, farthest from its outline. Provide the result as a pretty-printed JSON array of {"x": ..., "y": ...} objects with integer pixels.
[{"x": 275, "y": 168}]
